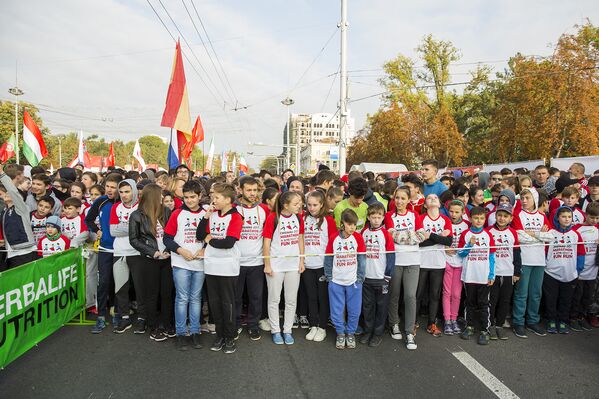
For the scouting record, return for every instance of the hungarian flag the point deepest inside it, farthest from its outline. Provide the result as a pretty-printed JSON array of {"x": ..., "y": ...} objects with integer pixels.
[
  {"x": 7, "y": 151},
  {"x": 197, "y": 136},
  {"x": 34, "y": 147},
  {"x": 110, "y": 158},
  {"x": 176, "y": 111}
]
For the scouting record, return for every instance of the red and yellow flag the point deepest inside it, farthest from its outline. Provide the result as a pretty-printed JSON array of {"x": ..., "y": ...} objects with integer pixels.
[{"x": 176, "y": 111}]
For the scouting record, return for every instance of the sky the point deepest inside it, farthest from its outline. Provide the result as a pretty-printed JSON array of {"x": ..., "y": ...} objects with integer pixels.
[{"x": 104, "y": 66}]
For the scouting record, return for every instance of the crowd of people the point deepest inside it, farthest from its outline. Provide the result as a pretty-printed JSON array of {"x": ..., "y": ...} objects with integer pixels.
[{"x": 176, "y": 254}]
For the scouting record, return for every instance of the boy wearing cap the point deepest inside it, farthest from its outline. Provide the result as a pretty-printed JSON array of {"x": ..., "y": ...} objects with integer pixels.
[
  {"x": 593, "y": 187},
  {"x": 508, "y": 263},
  {"x": 54, "y": 241}
]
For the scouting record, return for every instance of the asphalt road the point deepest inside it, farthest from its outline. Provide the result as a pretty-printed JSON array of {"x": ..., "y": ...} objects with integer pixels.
[{"x": 75, "y": 364}]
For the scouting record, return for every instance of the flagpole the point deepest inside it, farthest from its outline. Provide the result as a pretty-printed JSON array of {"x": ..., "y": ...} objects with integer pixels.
[{"x": 203, "y": 154}]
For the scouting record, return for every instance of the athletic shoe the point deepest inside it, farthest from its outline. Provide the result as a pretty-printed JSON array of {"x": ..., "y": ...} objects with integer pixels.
[
  {"x": 230, "y": 346},
  {"x": 295, "y": 322},
  {"x": 501, "y": 333},
  {"x": 350, "y": 341},
  {"x": 218, "y": 344},
  {"x": 195, "y": 341},
  {"x": 312, "y": 333},
  {"x": 585, "y": 325},
  {"x": 467, "y": 333},
  {"x": 395, "y": 331},
  {"x": 551, "y": 327},
  {"x": 483, "y": 338},
  {"x": 448, "y": 329},
  {"x": 321, "y": 334},
  {"x": 100, "y": 325},
  {"x": 158, "y": 335},
  {"x": 340, "y": 341},
  {"x": 537, "y": 329},
  {"x": 434, "y": 330},
  {"x": 411, "y": 342},
  {"x": 181, "y": 343},
  {"x": 171, "y": 332},
  {"x": 563, "y": 328},
  {"x": 303, "y": 322},
  {"x": 595, "y": 321},
  {"x": 575, "y": 325},
  {"x": 364, "y": 339},
  {"x": 456, "y": 327},
  {"x": 122, "y": 325},
  {"x": 375, "y": 341},
  {"x": 239, "y": 330},
  {"x": 520, "y": 332},
  {"x": 264, "y": 325},
  {"x": 254, "y": 334},
  {"x": 288, "y": 338},
  {"x": 277, "y": 338},
  {"x": 140, "y": 327},
  {"x": 493, "y": 333}
]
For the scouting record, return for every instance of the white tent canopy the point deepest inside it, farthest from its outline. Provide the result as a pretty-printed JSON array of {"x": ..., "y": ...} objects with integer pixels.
[
  {"x": 530, "y": 165},
  {"x": 379, "y": 167}
]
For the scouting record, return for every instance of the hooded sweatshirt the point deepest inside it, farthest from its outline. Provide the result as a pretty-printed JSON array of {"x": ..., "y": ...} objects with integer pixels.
[
  {"x": 533, "y": 254},
  {"x": 507, "y": 193},
  {"x": 119, "y": 222},
  {"x": 565, "y": 253}
]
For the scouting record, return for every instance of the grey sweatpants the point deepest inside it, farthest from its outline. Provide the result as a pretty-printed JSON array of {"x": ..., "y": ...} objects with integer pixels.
[{"x": 406, "y": 276}]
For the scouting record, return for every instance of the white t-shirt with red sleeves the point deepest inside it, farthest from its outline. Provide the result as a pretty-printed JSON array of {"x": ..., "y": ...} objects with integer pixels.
[
  {"x": 476, "y": 266},
  {"x": 590, "y": 235},
  {"x": 250, "y": 243},
  {"x": 377, "y": 242},
  {"x": 160, "y": 237},
  {"x": 183, "y": 225},
  {"x": 432, "y": 257},
  {"x": 316, "y": 240},
  {"x": 72, "y": 227},
  {"x": 456, "y": 231},
  {"x": 405, "y": 255},
  {"x": 47, "y": 247},
  {"x": 38, "y": 226},
  {"x": 119, "y": 214},
  {"x": 221, "y": 261},
  {"x": 85, "y": 206},
  {"x": 345, "y": 260},
  {"x": 284, "y": 241},
  {"x": 532, "y": 254},
  {"x": 505, "y": 240},
  {"x": 578, "y": 216},
  {"x": 562, "y": 253}
]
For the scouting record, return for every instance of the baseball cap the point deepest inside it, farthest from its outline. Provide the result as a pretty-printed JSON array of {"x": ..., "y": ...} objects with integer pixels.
[{"x": 506, "y": 208}]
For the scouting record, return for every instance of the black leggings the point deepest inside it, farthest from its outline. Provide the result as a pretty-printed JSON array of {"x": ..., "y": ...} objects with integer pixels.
[
  {"x": 317, "y": 297},
  {"x": 433, "y": 279}
]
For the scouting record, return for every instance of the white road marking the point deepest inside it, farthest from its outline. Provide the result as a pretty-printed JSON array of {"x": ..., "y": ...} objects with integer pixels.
[{"x": 485, "y": 376}]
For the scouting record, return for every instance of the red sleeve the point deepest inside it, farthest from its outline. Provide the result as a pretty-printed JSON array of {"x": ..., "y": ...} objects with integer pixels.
[
  {"x": 178, "y": 203},
  {"x": 389, "y": 221},
  {"x": 172, "y": 224},
  {"x": 83, "y": 225},
  {"x": 39, "y": 245},
  {"x": 331, "y": 226},
  {"x": 266, "y": 210},
  {"x": 330, "y": 244},
  {"x": 491, "y": 242},
  {"x": 360, "y": 240},
  {"x": 546, "y": 221},
  {"x": 516, "y": 222},
  {"x": 419, "y": 218},
  {"x": 114, "y": 219},
  {"x": 515, "y": 234},
  {"x": 235, "y": 225},
  {"x": 392, "y": 207},
  {"x": 67, "y": 243},
  {"x": 301, "y": 222},
  {"x": 389, "y": 245},
  {"x": 462, "y": 240},
  {"x": 447, "y": 225},
  {"x": 554, "y": 204},
  {"x": 580, "y": 250},
  {"x": 269, "y": 226}
]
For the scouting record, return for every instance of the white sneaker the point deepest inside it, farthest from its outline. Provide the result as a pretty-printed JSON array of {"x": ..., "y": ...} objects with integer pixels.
[
  {"x": 395, "y": 332},
  {"x": 264, "y": 325},
  {"x": 411, "y": 342},
  {"x": 312, "y": 333},
  {"x": 321, "y": 334}
]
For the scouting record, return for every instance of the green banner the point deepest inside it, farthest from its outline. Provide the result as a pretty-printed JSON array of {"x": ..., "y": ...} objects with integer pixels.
[{"x": 37, "y": 299}]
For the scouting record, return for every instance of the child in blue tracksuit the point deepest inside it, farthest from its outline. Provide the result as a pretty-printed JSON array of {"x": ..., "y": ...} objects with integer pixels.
[{"x": 344, "y": 269}]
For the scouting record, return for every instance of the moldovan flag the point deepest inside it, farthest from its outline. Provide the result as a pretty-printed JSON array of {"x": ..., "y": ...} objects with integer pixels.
[
  {"x": 176, "y": 111},
  {"x": 175, "y": 141},
  {"x": 210, "y": 159},
  {"x": 7, "y": 151},
  {"x": 34, "y": 147},
  {"x": 137, "y": 155},
  {"x": 243, "y": 166},
  {"x": 110, "y": 161}
]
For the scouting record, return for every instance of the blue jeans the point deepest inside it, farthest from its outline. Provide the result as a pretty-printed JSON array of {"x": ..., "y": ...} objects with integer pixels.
[
  {"x": 188, "y": 287},
  {"x": 527, "y": 296},
  {"x": 340, "y": 297}
]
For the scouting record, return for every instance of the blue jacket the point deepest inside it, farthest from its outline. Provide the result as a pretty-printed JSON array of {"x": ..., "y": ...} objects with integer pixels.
[
  {"x": 16, "y": 220},
  {"x": 101, "y": 207}
]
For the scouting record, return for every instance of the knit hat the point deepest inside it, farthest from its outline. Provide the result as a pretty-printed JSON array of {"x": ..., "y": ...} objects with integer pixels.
[
  {"x": 509, "y": 194},
  {"x": 54, "y": 221}
]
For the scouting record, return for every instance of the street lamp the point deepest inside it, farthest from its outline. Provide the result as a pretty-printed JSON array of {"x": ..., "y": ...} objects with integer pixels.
[
  {"x": 15, "y": 91},
  {"x": 289, "y": 102}
]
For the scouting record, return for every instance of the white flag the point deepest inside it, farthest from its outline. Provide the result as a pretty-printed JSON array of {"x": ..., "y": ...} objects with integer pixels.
[
  {"x": 224, "y": 161},
  {"x": 208, "y": 166},
  {"x": 234, "y": 165},
  {"x": 137, "y": 155}
]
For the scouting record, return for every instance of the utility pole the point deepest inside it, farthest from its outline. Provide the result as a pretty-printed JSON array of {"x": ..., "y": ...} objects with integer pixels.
[
  {"x": 343, "y": 90},
  {"x": 15, "y": 91},
  {"x": 288, "y": 102},
  {"x": 60, "y": 151}
]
